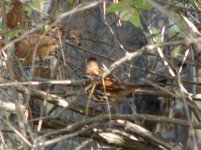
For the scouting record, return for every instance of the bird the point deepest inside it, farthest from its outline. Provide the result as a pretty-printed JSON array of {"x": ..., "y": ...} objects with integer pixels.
[{"x": 110, "y": 89}]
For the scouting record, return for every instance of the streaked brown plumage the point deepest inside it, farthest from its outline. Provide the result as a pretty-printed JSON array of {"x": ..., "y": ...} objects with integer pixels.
[{"x": 110, "y": 88}]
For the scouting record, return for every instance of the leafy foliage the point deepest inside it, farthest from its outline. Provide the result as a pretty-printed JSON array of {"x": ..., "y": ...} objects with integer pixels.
[
  {"x": 49, "y": 93},
  {"x": 129, "y": 10}
]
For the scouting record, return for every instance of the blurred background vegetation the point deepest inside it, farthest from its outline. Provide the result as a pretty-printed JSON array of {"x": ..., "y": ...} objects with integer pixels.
[{"x": 44, "y": 46}]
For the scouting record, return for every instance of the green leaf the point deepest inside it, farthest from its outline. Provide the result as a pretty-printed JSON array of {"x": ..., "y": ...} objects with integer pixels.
[
  {"x": 142, "y": 4},
  {"x": 130, "y": 14},
  {"x": 29, "y": 11},
  {"x": 176, "y": 51},
  {"x": 117, "y": 7},
  {"x": 70, "y": 1},
  {"x": 15, "y": 33},
  {"x": 126, "y": 14},
  {"x": 135, "y": 18},
  {"x": 38, "y": 4},
  {"x": 47, "y": 27},
  {"x": 1, "y": 31}
]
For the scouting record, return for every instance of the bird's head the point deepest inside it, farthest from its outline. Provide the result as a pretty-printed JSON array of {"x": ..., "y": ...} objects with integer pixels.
[{"x": 92, "y": 67}]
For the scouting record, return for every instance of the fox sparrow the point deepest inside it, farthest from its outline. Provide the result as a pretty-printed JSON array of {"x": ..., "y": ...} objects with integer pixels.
[{"x": 109, "y": 89}]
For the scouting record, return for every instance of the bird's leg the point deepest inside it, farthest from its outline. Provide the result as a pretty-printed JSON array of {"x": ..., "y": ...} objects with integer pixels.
[
  {"x": 117, "y": 107},
  {"x": 107, "y": 102},
  {"x": 90, "y": 97},
  {"x": 97, "y": 107},
  {"x": 132, "y": 105}
]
